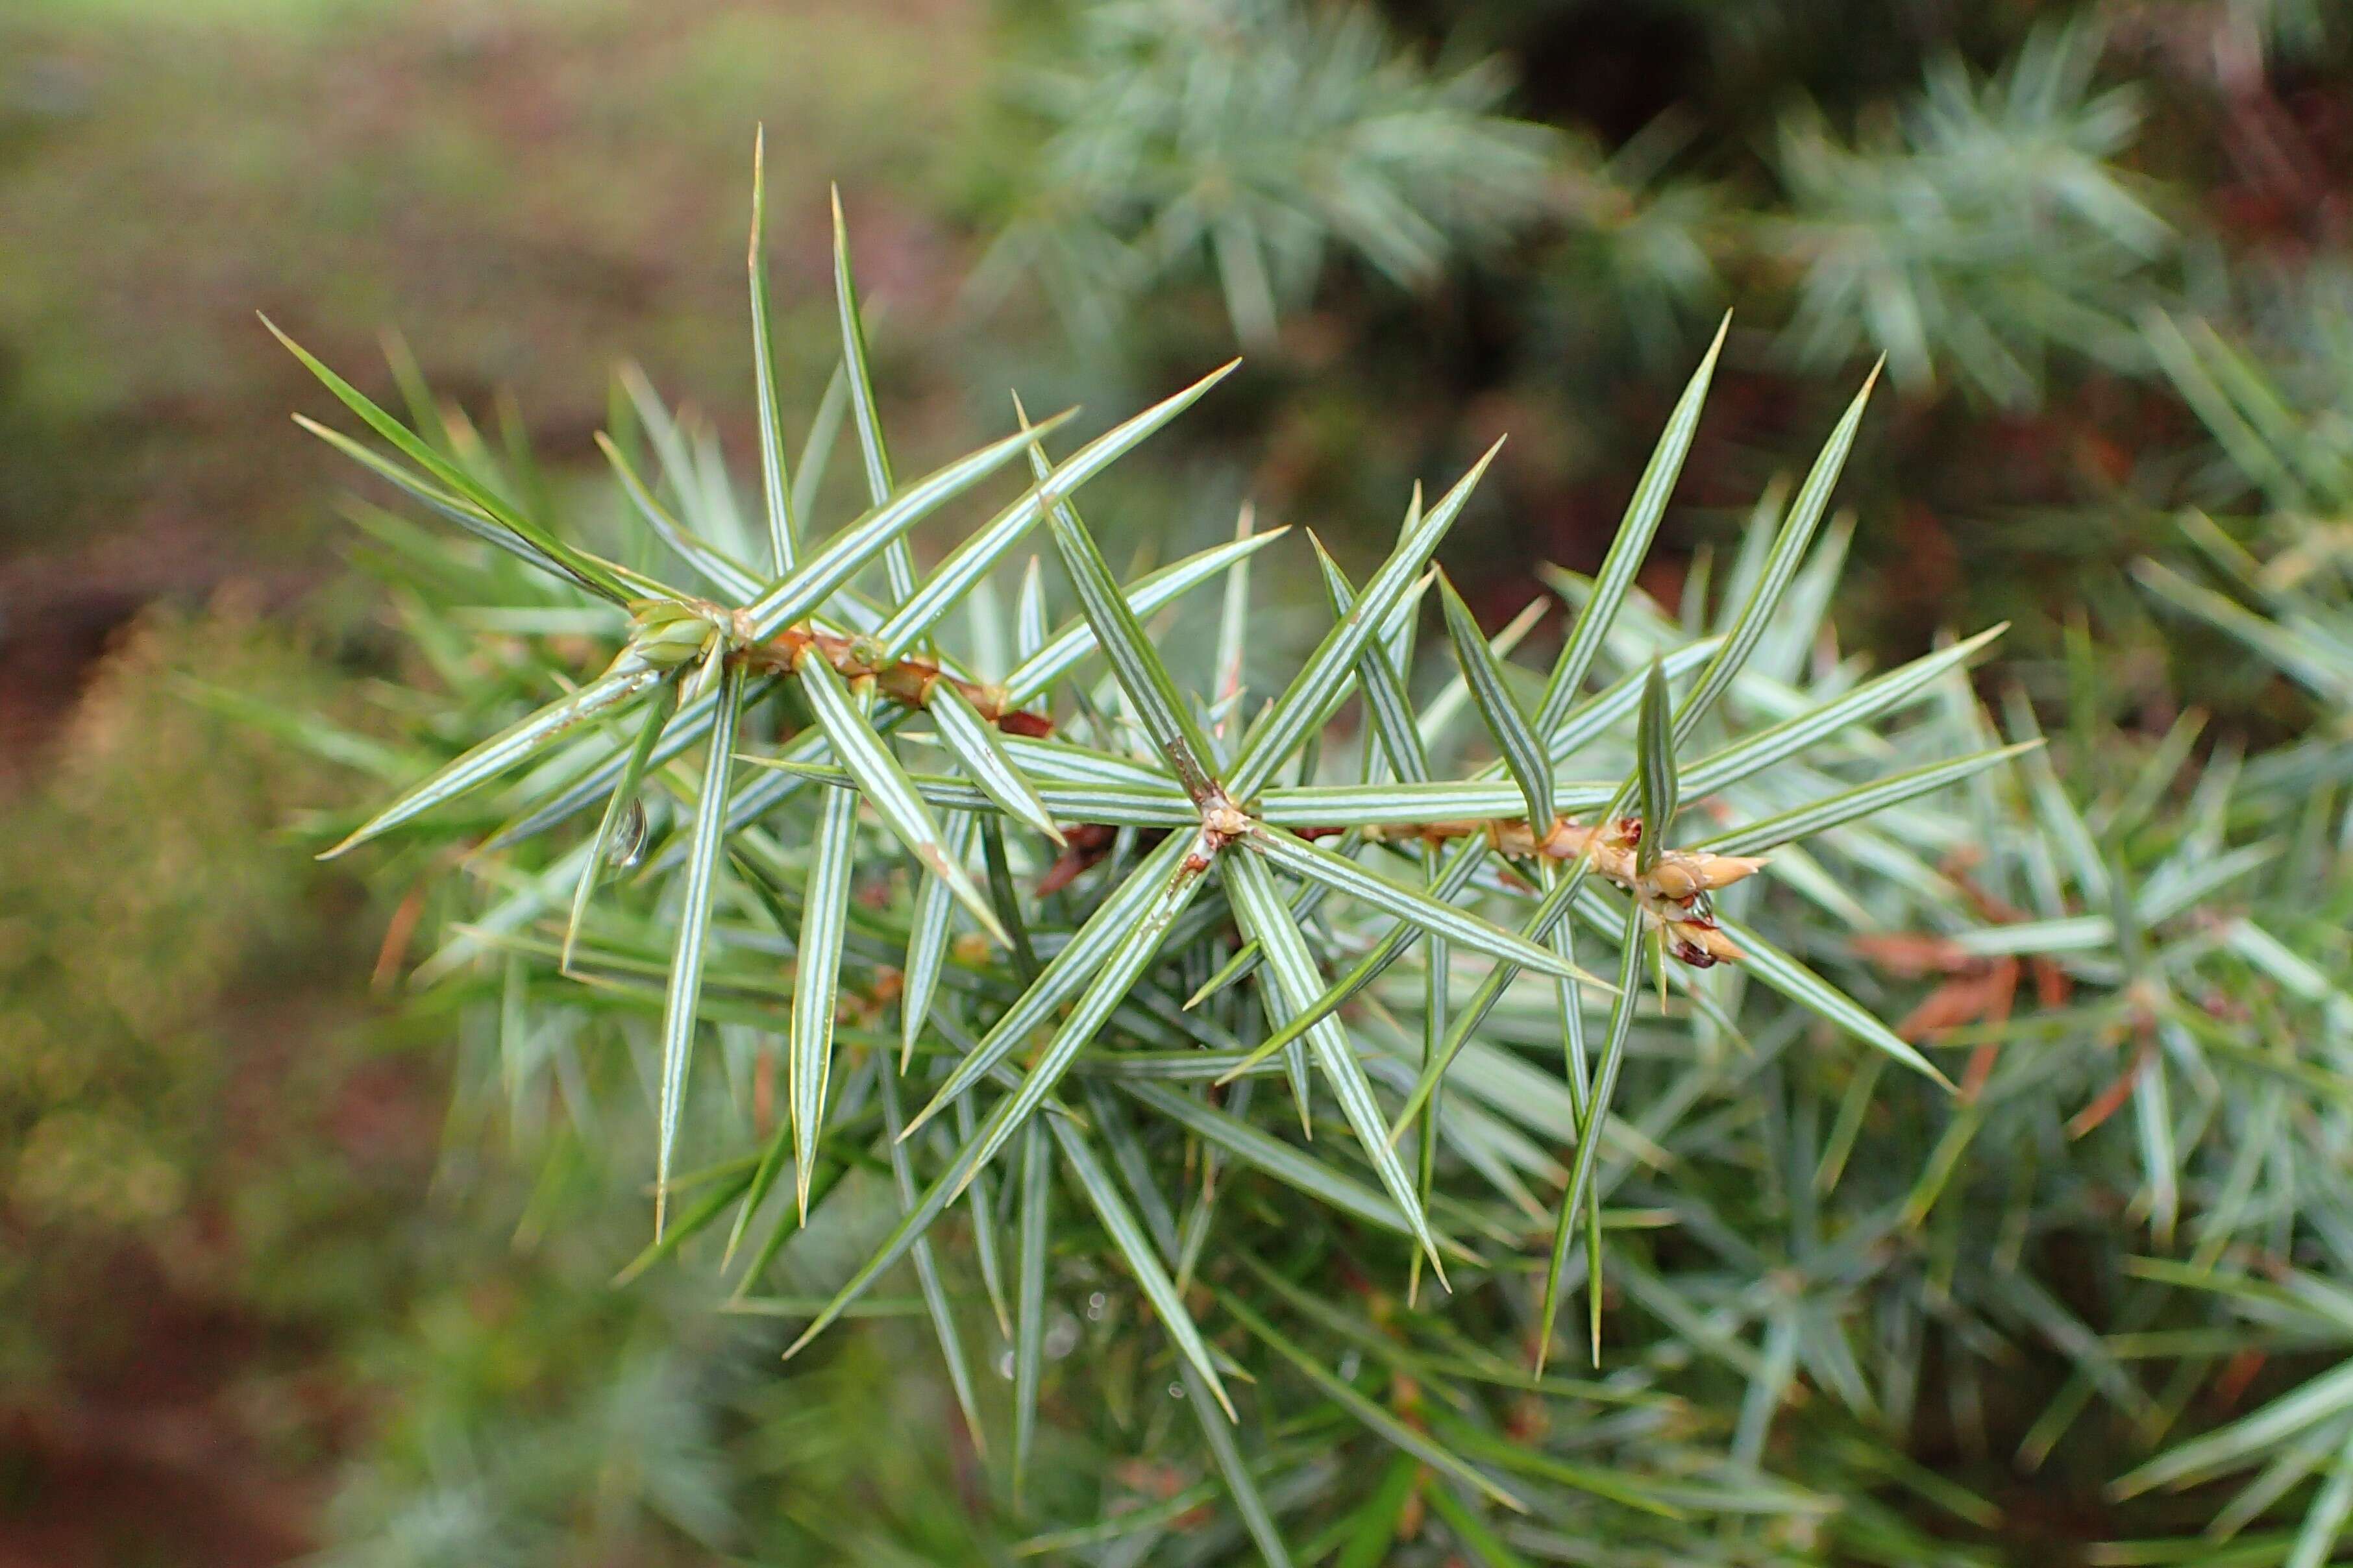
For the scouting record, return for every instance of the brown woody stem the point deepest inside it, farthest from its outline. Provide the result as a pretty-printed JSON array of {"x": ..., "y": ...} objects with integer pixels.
[{"x": 909, "y": 682}]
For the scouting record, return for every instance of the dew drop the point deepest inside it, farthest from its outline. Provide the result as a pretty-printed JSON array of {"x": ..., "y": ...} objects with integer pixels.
[
  {"x": 1005, "y": 1364},
  {"x": 1095, "y": 1305},
  {"x": 1175, "y": 1391},
  {"x": 628, "y": 844}
]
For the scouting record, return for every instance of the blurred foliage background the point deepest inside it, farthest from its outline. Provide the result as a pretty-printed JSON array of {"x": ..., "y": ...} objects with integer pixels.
[{"x": 281, "y": 1273}]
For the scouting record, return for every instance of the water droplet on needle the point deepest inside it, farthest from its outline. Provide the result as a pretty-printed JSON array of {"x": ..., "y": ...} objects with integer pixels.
[{"x": 629, "y": 842}]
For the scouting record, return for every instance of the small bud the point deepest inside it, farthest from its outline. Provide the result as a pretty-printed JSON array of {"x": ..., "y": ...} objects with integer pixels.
[
  {"x": 1690, "y": 953},
  {"x": 1222, "y": 817},
  {"x": 1699, "y": 943},
  {"x": 647, "y": 614},
  {"x": 673, "y": 642},
  {"x": 1683, "y": 874}
]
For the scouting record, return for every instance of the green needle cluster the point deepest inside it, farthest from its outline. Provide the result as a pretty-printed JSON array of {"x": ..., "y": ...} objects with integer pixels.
[{"x": 1033, "y": 953}]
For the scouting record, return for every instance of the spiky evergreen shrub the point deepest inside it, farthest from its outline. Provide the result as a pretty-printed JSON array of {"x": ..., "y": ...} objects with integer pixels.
[
  {"x": 1967, "y": 233},
  {"x": 1988, "y": 201},
  {"x": 2141, "y": 985},
  {"x": 2282, "y": 429},
  {"x": 1248, "y": 141},
  {"x": 2247, "y": 1010},
  {"x": 1042, "y": 965},
  {"x": 2106, "y": 1262},
  {"x": 1993, "y": 225}
]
